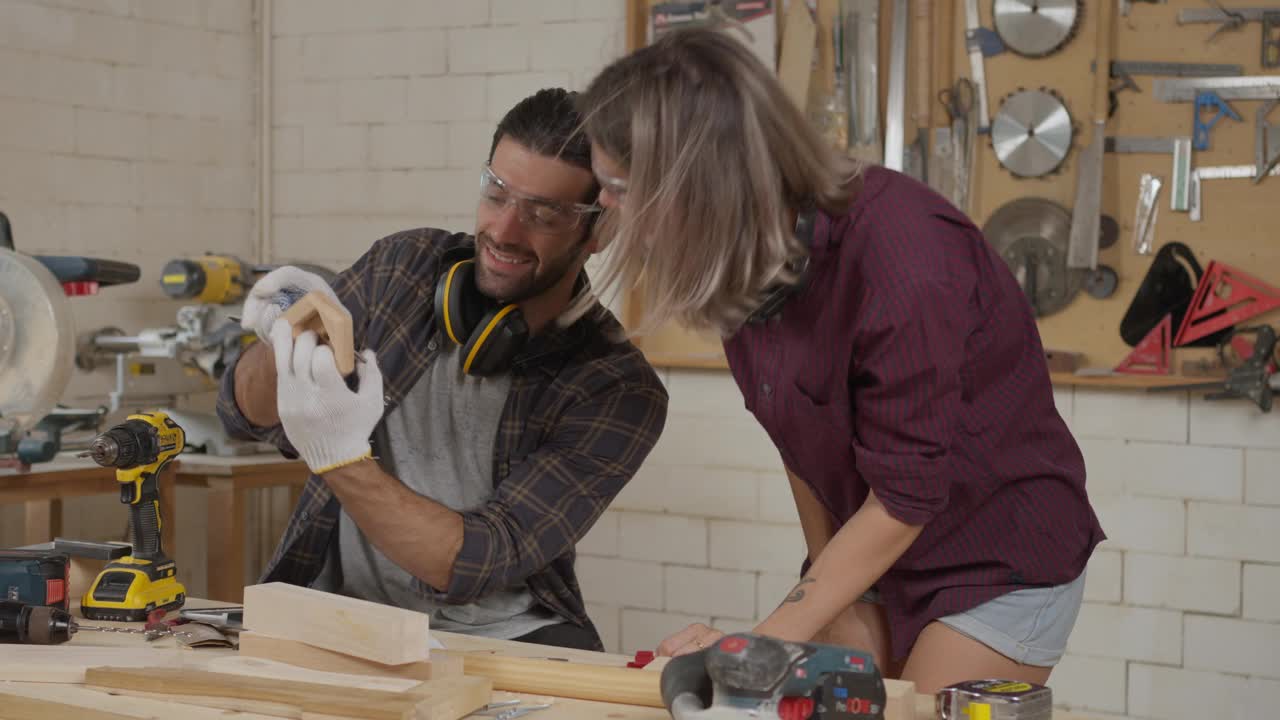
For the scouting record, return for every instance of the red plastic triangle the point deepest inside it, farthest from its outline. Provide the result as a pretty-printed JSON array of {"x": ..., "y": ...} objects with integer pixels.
[
  {"x": 1151, "y": 355},
  {"x": 1224, "y": 297}
]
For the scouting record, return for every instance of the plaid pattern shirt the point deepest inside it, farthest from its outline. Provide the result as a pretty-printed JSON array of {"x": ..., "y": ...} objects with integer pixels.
[{"x": 583, "y": 412}]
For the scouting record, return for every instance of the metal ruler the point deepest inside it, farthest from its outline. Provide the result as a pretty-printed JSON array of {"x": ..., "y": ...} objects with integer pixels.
[
  {"x": 1219, "y": 172},
  {"x": 896, "y": 105},
  {"x": 1248, "y": 87},
  {"x": 973, "y": 24},
  {"x": 1178, "y": 147},
  {"x": 1120, "y": 68},
  {"x": 1216, "y": 15}
]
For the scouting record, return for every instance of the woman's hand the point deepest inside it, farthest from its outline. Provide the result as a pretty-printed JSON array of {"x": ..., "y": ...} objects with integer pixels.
[{"x": 691, "y": 639}]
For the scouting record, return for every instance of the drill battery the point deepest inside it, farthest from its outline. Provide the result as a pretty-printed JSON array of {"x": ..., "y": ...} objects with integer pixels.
[{"x": 35, "y": 577}]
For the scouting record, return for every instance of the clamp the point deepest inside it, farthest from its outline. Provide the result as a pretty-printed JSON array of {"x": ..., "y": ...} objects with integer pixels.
[{"x": 1255, "y": 379}]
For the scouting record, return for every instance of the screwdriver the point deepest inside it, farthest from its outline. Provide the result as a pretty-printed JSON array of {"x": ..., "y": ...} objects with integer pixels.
[{"x": 42, "y": 625}]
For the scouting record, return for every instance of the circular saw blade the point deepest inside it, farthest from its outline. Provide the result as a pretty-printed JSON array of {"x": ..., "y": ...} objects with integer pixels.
[
  {"x": 1036, "y": 28},
  {"x": 1031, "y": 234},
  {"x": 1032, "y": 133},
  {"x": 37, "y": 341}
]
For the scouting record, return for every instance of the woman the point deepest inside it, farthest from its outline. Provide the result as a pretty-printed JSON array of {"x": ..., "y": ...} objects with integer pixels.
[{"x": 889, "y": 353}]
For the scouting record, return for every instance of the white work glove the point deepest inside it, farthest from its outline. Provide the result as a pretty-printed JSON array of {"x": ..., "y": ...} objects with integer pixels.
[
  {"x": 327, "y": 423},
  {"x": 274, "y": 293}
]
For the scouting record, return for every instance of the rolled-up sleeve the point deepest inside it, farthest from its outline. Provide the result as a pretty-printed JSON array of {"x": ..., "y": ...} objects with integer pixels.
[
  {"x": 908, "y": 386},
  {"x": 555, "y": 495}
]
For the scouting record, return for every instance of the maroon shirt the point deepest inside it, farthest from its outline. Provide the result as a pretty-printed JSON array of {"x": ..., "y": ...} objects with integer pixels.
[{"x": 910, "y": 363}]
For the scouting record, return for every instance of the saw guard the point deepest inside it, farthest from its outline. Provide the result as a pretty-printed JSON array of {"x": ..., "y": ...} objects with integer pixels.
[{"x": 37, "y": 341}]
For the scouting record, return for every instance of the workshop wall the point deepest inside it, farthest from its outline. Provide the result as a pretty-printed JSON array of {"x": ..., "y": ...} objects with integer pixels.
[{"x": 127, "y": 132}]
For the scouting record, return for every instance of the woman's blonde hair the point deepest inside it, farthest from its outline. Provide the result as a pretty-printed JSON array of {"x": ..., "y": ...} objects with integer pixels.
[{"x": 719, "y": 162}]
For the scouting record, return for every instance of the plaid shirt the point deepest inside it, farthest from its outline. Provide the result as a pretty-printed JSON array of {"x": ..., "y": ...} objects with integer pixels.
[{"x": 584, "y": 410}]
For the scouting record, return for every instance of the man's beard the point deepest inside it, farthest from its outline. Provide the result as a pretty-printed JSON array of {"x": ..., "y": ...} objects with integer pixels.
[{"x": 541, "y": 279}]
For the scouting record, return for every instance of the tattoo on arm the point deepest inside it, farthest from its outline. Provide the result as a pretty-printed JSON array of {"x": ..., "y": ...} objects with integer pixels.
[{"x": 798, "y": 593}]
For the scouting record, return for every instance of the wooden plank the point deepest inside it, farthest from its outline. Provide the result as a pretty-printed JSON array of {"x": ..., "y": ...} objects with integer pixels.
[
  {"x": 628, "y": 686},
  {"x": 260, "y": 645},
  {"x": 18, "y": 707},
  {"x": 382, "y": 633},
  {"x": 441, "y": 700},
  {"x": 84, "y": 701},
  {"x": 67, "y": 663}
]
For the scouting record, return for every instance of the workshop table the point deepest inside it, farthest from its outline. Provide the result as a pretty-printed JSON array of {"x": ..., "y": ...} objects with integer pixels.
[
  {"x": 43, "y": 488},
  {"x": 55, "y": 673},
  {"x": 229, "y": 480}
]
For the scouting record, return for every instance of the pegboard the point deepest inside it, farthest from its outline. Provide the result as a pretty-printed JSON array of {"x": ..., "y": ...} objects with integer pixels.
[{"x": 1240, "y": 221}]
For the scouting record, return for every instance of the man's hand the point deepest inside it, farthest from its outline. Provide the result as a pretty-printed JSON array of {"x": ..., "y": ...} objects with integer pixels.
[
  {"x": 327, "y": 423},
  {"x": 274, "y": 293},
  {"x": 691, "y": 639}
]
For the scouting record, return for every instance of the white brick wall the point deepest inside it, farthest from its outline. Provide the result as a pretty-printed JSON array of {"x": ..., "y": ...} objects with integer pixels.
[{"x": 126, "y": 132}]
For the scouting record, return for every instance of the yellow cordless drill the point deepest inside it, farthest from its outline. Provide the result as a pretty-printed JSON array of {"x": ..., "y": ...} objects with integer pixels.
[{"x": 132, "y": 587}]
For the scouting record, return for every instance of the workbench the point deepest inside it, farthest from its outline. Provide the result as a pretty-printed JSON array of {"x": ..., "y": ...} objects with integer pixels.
[
  {"x": 229, "y": 481},
  {"x": 43, "y": 488},
  {"x": 55, "y": 673}
]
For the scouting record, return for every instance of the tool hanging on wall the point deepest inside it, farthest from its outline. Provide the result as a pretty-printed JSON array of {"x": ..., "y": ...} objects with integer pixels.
[
  {"x": 1179, "y": 148},
  {"x": 1166, "y": 289},
  {"x": 1144, "y": 216},
  {"x": 1271, "y": 39},
  {"x": 959, "y": 101},
  {"x": 1244, "y": 87},
  {"x": 1032, "y": 133},
  {"x": 862, "y": 41},
  {"x": 1254, "y": 379},
  {"x": 1030, "y": 234},
  {"x": 896, "y": 104},
  {"x": 1225, "y": 296},
  {"x": 1123, "y": 72},
  {"x": 1219, "y": 172},
  {"x": 1266, "y": 141},
  {"x": 1082, "y": 246},
  {"x": 973, "y": 36},
  {"x": 1153, "y": 354},
  {"x": 1209, "y": 100},
  {"x": 1235, "y": 18},
  {"x": 1036, "y": 29}
]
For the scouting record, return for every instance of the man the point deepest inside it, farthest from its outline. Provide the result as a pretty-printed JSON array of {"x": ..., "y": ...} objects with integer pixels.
[{"x": 505, "y": 406}]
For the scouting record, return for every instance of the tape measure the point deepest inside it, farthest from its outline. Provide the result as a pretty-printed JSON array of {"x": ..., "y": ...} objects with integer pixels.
[{"x": 995, "y": 700}]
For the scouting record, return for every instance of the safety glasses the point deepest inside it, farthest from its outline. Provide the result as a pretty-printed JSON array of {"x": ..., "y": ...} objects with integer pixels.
[{"x": 535, "y": 213}]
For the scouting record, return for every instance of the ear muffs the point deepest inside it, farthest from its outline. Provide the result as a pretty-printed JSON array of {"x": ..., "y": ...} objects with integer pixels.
[
  {"x": 491, "y": 334},
  {"x": 778, "y": 296}
]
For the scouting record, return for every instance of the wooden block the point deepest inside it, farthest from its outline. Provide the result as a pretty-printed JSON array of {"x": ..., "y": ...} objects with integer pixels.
[
  {"x": 441, "y": 700},
  {"x": 368, "y": 630},
  {"x": 317, "y": 312},
  {"x": 260, "y": 645},
  {"x": 629, "y": 686},
  {"x": 900, "y": 700}
]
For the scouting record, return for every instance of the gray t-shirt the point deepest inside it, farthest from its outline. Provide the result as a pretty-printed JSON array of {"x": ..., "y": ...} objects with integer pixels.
[{"x": 441, "y": 440}]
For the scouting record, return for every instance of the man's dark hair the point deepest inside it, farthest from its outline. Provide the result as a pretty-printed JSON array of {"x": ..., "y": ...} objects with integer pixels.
[{"x": 547, "y": 123}]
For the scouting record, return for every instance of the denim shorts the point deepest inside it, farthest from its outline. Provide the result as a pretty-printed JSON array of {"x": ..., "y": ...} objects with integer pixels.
[{"x": 1028, "y": 626}]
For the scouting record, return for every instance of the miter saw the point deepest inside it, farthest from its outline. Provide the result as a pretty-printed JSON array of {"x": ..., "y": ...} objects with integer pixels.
[
  {"x": 206, "y": 338},
  {"x": 37, "y": 347}
]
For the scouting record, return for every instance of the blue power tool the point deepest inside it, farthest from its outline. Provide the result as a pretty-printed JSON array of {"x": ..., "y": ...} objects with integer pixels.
[{"x": 748, "y": 675}]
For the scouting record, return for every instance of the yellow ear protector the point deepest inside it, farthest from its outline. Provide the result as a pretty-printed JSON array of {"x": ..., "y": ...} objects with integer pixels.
[
  {"x": 490, "y": 333},
  {"x": 778, "y": 295}
]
